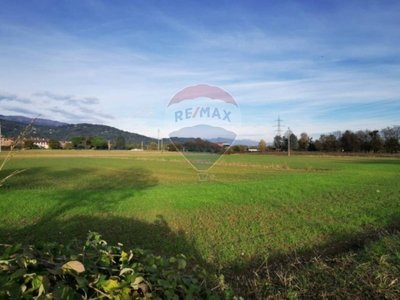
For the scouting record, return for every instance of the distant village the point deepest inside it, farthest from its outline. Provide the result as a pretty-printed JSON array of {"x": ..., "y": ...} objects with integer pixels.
[
  {"x": 7, "y": 142},
  {"x": 40, "y": 143}
]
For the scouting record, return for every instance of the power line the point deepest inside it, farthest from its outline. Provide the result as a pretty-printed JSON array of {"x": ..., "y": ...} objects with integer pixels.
[{"x": 279, "y": 130}]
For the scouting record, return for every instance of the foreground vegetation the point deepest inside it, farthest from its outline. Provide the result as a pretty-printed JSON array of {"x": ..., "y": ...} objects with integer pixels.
[
  {"x": 252, "y": 209},
  {"x": 370, "y": 272},
  {"x": 55, "y": 271}
]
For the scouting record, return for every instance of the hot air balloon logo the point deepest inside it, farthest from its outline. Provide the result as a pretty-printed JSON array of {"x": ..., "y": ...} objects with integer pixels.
[{"x": 204, "y": 120}]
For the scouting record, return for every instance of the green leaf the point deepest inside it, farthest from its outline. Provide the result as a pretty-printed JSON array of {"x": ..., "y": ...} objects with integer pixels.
[
  {"x": 55, "y": 271},
  {"x": 21, "y": 260},
  {"x": 37, "y": 281},
  {"x": 41, "y": 290},
  {"x": 138, "y": 280},
  {"x": 16, "y": 248},
  {"x": 46, "y": 284},
  {"x": 18, "y": 273},
  {"x": 15, "y": 291},
  {"x": 110, "y": 285},
  {"x": 64, "y": 292},
  {"x": 181, "y": 263},
  {"x": 81, "y": 281},
  {"x": 125, "y": 270},
  {"x": 102, "y": 280}
]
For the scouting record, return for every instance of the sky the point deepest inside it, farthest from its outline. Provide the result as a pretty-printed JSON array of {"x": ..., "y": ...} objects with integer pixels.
[{"x": 320, "y": 66}]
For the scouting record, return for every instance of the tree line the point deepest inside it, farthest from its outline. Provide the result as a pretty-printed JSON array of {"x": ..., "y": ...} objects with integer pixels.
[
  {"x": 385, "y": 140},
  {"x": 195, "y": 145},
  {"x": 82, "y": 142}
]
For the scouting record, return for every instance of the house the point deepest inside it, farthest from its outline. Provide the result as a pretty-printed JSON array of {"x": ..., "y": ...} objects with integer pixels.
[
  {"x": 63, "y": 143},
  {"x": 41, "y": 143},
  {"x": 6, "y": 142},
  {"x": 223, "y": 145}
]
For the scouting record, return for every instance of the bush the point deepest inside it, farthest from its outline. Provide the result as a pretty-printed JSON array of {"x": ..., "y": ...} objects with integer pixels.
[{"x": 57, "y": 271}]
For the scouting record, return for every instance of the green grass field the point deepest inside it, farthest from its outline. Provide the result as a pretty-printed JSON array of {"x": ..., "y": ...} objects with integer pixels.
[{"x": 250, "y": 207}]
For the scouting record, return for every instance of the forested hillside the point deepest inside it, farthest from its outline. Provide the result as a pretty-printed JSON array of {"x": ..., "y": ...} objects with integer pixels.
[{"x": 66, "y": 132}]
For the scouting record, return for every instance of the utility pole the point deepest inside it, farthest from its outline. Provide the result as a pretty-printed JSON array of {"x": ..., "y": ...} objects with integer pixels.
[
  {"x": 0, "y": 137},
  {"x": 158, "y": 140},
  {"x": 289, "y": 133}
]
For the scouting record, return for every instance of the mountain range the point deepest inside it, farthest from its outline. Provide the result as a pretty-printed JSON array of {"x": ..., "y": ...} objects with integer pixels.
[
  {"x": 12, "y": 126},
  {"x": 38, "y": 122}
]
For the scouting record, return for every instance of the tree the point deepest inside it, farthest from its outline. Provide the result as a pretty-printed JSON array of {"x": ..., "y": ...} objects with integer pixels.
[
  {"x": 88, "y": 142},
  {"x": 120, "y": 143},
  {"x": 28, "y": 144},
  {"x": 349, "y": 142},
  {"x": 174, "y": 146},
  {"x": 364, "y": 140},
  {"x": 391, "y": 132},
  {"x": 54, "y": 144},
  {"x": 78, "y": 142},
  {"x": 312, "y": 145},
  {"x": 392, "y": 138},
  {"x": 318, "y": 145},
  {"x": 199, "y": 145},
  {"x": 153, "y": 146},
  {"x": 278, "y": 142},
  {"x": 237, "y": 148},
  {"x": 99, "y": 143},
  {"x": 262, "y": 145},
  {"x": 376, "y": 141},
  {"x": 68, "y": 146},
  {"x": 392, "y": 145},
  {"x": 304, "y": 141},
  {"x": 294, "y": 142},
  {"x": 328, "y": 143}
]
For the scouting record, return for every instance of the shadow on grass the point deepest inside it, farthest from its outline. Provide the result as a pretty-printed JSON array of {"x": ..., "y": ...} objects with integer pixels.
[
  {"x": 72, "y": 213},
  {"x": 339, "y": 243},
  {"x": 132, "y": 233},
  {"x": 93, "y": 178}
]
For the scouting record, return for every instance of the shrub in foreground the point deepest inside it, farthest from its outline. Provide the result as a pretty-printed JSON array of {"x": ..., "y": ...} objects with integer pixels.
[{"x": 55, "y": 271}]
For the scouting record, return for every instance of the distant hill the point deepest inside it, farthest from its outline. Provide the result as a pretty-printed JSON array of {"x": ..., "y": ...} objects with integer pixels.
[
  {"x": 38, "y": 122},
  {"x": 12, "y": 126},
  {"x": 66, "y": 132},
  {"x": 210, "y": 133},
  {"x": 236, "y": 142},
  {"x": 217, "y": 140}
]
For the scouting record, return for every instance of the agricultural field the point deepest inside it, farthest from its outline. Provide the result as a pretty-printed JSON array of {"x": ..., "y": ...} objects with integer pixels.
[{"x": 251, "y": 207}]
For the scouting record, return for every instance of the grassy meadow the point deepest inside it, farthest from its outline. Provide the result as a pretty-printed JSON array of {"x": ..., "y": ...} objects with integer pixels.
[{"x": 250, "y": 208}]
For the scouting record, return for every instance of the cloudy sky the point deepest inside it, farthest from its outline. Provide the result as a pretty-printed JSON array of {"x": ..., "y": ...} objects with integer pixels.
[{"x": 321, "y": 66}]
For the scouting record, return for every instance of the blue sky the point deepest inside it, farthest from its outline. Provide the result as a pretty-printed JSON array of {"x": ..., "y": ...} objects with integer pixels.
[{"x": 321, "y": 66}]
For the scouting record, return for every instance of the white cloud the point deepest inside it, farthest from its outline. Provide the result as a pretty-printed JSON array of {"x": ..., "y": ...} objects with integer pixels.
[{"x": 301, "y": 65}]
